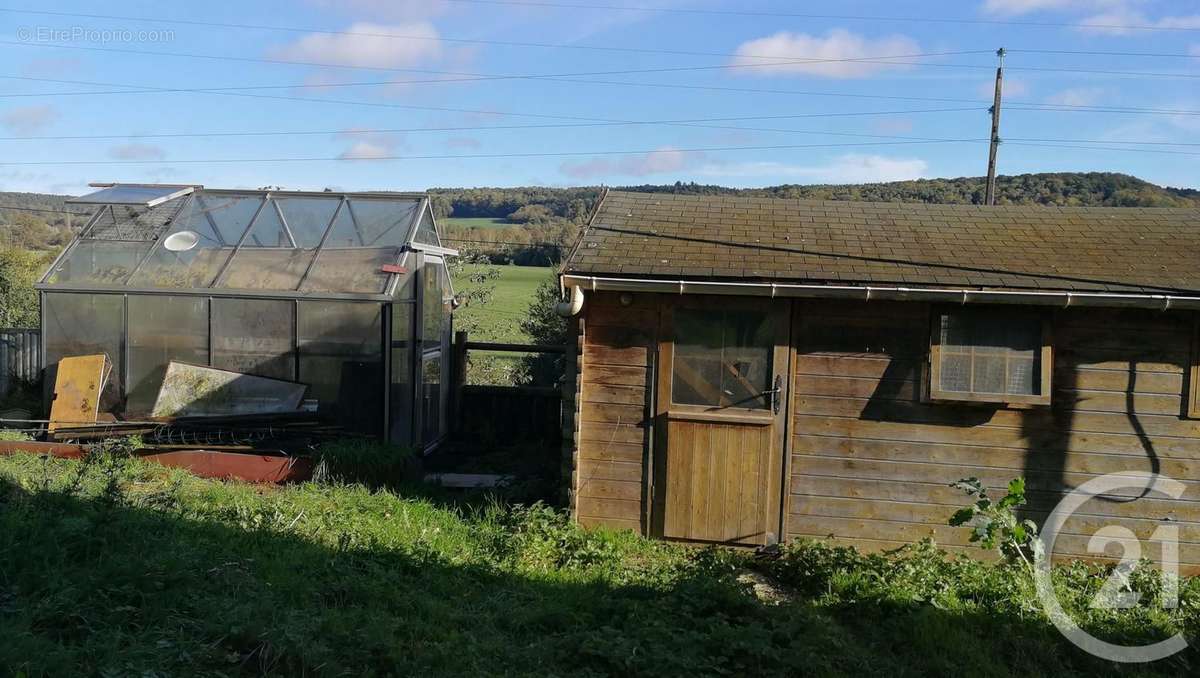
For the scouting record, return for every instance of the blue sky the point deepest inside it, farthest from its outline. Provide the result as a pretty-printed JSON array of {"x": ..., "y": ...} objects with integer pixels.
[{"x": 714, "y": 60}]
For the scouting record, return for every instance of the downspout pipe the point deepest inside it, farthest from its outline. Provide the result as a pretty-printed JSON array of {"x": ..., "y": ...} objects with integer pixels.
[
  {"x": 570, "y": 307},
  {"x": 1161, "y": 302}
]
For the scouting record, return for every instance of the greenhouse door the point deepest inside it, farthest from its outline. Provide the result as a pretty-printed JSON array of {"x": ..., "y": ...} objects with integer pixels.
[
  {"x": 720, "y": 420},
  {"x": 434, "y": 349}
]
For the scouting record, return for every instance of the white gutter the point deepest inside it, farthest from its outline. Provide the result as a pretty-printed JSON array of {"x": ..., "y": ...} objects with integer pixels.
[{"x": 1064, "y": 299}]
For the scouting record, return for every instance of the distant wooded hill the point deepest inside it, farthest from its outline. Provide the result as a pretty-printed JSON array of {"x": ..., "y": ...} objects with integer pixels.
[{"x": 529, "y": 225}]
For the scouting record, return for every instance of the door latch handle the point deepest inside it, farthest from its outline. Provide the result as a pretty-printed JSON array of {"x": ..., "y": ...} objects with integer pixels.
[{"x": 775, "y": 395}]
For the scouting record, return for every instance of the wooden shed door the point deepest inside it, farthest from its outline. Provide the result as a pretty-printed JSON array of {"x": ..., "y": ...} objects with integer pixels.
[{"x": 719, "y": 420}]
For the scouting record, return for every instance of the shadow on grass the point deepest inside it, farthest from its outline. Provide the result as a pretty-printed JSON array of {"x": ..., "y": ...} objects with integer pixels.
[{"x": 97, "y": 586}]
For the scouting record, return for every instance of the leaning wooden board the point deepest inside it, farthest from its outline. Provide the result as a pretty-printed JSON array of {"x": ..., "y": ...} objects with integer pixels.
[{"x": 77, "y": 388}]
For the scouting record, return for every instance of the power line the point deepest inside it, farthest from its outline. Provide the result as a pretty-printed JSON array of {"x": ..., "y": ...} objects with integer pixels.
[
  {"x": 473, "y": 156},
  {"x": 466, "y": 77},
  {"x": 551, "y": 78},
  {"x": 461, "y": 77},
  {"x": 399, "y": 36},
  {"x": 797, "y": 15},
  {"x": 603, "y": 48},
  {"x": 1092, "y": 52},
  {"x": 697, "y": 122},
  {"x": 554, "y": 154}
]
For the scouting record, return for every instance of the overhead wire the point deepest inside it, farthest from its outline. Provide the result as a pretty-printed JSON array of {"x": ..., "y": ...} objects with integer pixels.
[
  {"x": 802, "y": 15},
  {"x": 470, "y": 156},
  {"x": 575, "y": 78},
  {"x": 554, "y": 154},
  {"x": 931, "y": 19},
  {"x": 479, "y": 128}
]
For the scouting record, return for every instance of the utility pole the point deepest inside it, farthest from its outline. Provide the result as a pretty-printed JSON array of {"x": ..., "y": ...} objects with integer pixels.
[{"x": 990, "y": 195}]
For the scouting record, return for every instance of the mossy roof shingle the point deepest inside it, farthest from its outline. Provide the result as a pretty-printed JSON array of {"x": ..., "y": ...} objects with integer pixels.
[{"x": 1005, "y": 247}]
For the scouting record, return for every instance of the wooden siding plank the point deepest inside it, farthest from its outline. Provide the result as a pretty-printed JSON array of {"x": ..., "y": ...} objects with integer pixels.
[
  {"x": 592, "y": 522},
  {"x": 947, "y": 474},
  {"x": 623, "y": 471},
  {"x": 614, "y": 395},
  {"x": 950, "y": 499},
  {"x": 620, "y": 509},
  {"x": 992, "y": 457},
  {"x": 996, "y": 436},
  {"x": 615, "y": 375}
]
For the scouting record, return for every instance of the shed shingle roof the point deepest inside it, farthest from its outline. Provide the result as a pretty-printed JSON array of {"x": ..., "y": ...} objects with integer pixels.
[{"x": 1150, "y": 250}]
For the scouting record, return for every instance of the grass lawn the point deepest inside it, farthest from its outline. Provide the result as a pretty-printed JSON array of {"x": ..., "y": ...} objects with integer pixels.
[
  {"x": 475, "y": 222},
  {"x": 115, "y": 567},
  {"x": 500, "y": 318}
]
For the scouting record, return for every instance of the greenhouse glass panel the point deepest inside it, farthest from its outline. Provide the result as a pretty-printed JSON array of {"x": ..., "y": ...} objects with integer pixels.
[
  {"x": 269, "y": 258},
  {"x": 162, "y": 329},
  {"x": 426, "y": 231},
  {"x": 357, "y": 248},
  {"x": 435, "y": 300},
  {"x": 127, "y": 222},
  {"x": 99, "y": 261},
  {"x": 341, "y": 359},
  {"x": 195, "y": 247},
  {"x": 401, "y": 400},
  {"x": 86, "y": 324},
  {"x": 308, "y": 218},
  {"x": 432, "y": 415},
  {"x": 350, "y": 270},
  {"x": 255, "y": 336},
  {"x": 379, "y": 222},
  {"x": 125, "y": 194}
]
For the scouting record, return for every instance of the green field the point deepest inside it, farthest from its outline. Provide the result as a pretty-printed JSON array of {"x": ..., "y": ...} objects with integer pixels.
[
  {"x": 475, "y": 222},
  {"x": 500, "y": 318}
]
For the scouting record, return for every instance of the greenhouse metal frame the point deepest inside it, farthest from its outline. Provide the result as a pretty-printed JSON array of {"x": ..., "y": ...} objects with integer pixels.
[{"x": 348, "y": 293}]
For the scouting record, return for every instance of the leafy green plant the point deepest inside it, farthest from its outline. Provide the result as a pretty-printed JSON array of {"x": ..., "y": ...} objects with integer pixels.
[{"x": 995, "y": 524}]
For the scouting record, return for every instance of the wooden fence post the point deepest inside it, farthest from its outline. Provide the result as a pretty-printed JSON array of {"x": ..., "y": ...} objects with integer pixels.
[{"x": 458, "y": 378}]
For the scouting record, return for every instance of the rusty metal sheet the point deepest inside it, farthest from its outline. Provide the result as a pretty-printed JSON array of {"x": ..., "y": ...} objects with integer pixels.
[
  {"x": 77, "y": 389},
  {"x": 196, "y": 391},
  {"x": 250, "y": 467},
  {"x": 62, "y": 450},
  {"x": 254, "y": 468}
]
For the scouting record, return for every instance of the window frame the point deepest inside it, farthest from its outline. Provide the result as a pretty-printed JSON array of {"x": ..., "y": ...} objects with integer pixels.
[{"x": 934, "y": 363}]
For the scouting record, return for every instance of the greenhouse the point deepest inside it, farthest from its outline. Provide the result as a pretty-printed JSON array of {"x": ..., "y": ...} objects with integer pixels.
[{"x": 347, "y": 293}]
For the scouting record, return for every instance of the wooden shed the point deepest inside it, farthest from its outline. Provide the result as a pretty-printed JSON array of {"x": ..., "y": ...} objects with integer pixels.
[{"x": 751, "y": 370}]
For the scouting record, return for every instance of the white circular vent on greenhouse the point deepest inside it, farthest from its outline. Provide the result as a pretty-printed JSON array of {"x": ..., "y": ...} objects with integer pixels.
[{"x": 181, "y": 241}]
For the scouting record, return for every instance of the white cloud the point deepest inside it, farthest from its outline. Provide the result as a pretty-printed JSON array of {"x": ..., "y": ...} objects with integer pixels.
[
  {"x": 771, "y": 55},
  {"x": 1078, "y": 96},
  {"x": 371, "y": 46},
  {"x": 1014, "y": 7},
  {"x": 1117, "y": 22},
  {"x": 659, "y": 161},
  {"x": 852, "y": 168},
  {"x": 25, "y": 120},
  {"x": 388, "y": 9},
  {"x": 136, "y": 151},
  {"x": 370, "y": 145}
]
